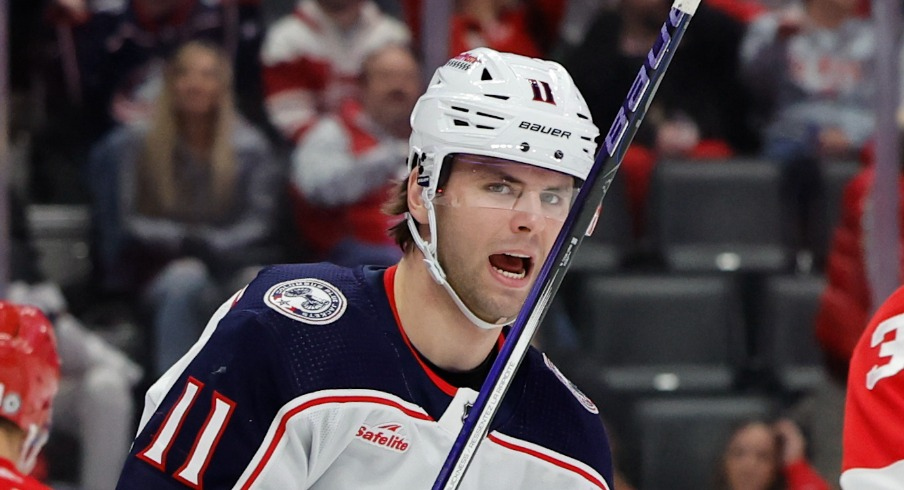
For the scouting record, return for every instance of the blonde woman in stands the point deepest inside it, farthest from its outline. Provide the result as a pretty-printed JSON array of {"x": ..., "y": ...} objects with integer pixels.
[{"x": 192, "y": 204}]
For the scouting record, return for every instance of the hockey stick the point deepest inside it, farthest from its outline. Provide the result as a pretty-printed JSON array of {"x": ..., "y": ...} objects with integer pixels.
[{"x": 578, "y": 224}]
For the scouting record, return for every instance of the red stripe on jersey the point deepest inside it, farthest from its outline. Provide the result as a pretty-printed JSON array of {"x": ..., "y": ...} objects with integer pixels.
[
  {"x": 307, "y": 20},
  {"x": 281, "y": 429},
  {"x": 388, "y": 284},
  {"x": 300, "y": 132},
  {"x": 297, "y": 74},
  {"x": 549, "y": 459},
  {"x": 361, "y": 140}
]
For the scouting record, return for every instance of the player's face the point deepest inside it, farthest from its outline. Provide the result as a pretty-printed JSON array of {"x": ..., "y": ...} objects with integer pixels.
[
  {"x": 496, "y": 222},
  {"x": 751, "y": 458},
  {"x": 197, "y": 82}
]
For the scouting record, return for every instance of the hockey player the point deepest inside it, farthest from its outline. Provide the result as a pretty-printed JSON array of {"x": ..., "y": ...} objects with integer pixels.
[
  {"x": 29, "y": 377},
  {"x": 315, "y": 376},
  {"x": 873, "y": 456}
]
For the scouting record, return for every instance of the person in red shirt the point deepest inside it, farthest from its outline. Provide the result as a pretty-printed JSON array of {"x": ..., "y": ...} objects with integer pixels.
[
  {"x": 873, "y": 444},
  {"x": 312, "y": 58},
  {"x": 342, "y": 174},
  {"x": 845, "y": 305},
  {"x": 525, "y": 27},
  {"x": 29, "y": 378}
]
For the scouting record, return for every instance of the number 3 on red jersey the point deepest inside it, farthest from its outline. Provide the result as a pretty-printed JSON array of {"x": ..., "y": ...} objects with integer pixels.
[
  {"x": 891, "y": 349},
  {"x": 192, "y": 470}
]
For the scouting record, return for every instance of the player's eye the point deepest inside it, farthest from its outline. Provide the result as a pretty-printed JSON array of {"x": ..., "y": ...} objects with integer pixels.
[
  {"x": 552, "y": 198},
  {"x": 501, "y": 188}
]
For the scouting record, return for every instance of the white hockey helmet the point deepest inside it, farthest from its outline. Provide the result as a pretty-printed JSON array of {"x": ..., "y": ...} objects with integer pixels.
[{"x": 502, "y": 105}]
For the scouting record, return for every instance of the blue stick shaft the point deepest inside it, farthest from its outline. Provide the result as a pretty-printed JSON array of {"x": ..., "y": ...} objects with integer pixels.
[{"x": 575, "y": 228}]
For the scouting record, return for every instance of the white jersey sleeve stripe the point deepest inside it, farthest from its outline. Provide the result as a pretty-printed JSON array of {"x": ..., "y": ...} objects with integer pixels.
[
  {"x": 887, "y": 478},
  {"x": 551, "y": 457},
  {"x": 317, "y": 399}
]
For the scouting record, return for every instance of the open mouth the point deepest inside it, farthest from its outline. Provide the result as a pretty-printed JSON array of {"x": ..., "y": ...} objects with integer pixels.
[{"x": 513, "y": 266}]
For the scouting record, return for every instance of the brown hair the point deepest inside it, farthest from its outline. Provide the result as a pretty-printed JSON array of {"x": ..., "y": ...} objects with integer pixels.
[
  {"x": 397, "y": 205},
  {"x": 157, "y": 183}
]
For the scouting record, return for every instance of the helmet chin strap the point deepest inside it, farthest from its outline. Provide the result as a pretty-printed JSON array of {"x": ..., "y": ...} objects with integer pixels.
[
  {"x": 431, "y": 258},
  {"x": 35, "y": 438}
]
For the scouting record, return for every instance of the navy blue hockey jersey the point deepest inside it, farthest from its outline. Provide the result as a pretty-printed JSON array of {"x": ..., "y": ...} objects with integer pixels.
[{"x": 305, "y": 380}]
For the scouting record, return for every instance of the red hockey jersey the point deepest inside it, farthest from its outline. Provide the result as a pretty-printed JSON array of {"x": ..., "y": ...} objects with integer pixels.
[
  {"x": 12, "y": 479},
  {"x": 874, "y": 411}
]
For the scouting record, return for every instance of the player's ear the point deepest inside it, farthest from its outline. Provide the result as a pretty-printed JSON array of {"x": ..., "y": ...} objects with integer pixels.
[{"x": 416, "y": 206}]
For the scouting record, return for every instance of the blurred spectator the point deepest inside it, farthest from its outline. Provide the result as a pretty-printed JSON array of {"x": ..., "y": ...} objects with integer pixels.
[
  {"x": 743, "y": 10},
  {"x": 810, "y": 67},
  {"x": 184, "y": 204},
  {"x": 748, "y": 10},
  {"x": 504, "y": 25},
  {"x": 700, "y": 110},
  {"x": 95, "y": 402},
  {"x": 767, "y": 456},
  {"x": 526, "y": 27},
  {"x": 125, "y": 42},
  {"x": 845, "y": 306},
  {"x": 342, "y": 171},
  {"x": 576, "y": 19},
  {"x": 29, "y": 375},
  {"x": 842, "y": 314},
  {"x": 312, "y": 59},
  {"x": 110, "y": 54}
]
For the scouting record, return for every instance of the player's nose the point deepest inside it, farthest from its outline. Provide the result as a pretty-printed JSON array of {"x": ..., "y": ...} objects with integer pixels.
[{"x": 527, "y": 214}]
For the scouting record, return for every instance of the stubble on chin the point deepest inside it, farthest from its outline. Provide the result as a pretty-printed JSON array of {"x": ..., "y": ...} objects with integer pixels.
[{"x": 489, "y": 307}]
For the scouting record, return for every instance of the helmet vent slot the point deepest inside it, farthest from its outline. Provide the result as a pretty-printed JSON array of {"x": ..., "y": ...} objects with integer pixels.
[
  {"x": 460, "y": 109},
  {"x": 582, "y": 116},
  {"x": 486, "y": 75},
  {"x": 500, "y": 97},
  {"x": 481, "y": 126},
  {"x": 494, "y": 116},
  {"x": 459, "y": 122}
]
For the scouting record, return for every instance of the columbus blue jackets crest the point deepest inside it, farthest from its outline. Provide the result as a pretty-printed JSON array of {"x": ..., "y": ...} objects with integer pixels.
[{"x": 309, "y": 300}]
